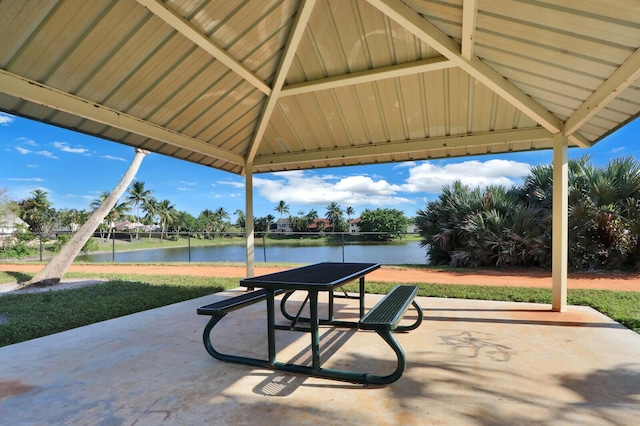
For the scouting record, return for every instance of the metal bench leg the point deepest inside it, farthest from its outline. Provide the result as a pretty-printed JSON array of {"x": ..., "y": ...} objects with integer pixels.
[
  {"x": 402, "y": 361},
  {"x": 206, "y": 337},
  {"x": 415, "y": 324}
]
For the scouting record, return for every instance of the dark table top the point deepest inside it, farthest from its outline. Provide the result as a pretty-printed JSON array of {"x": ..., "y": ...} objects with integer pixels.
[{"x": 320, "y": 276}]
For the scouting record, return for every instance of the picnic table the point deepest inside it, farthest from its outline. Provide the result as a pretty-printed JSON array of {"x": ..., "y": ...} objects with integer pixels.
[{"x": 383, "y": 318}]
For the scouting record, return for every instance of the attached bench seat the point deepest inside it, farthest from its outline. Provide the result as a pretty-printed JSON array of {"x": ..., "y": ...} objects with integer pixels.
[
  {"x": 225, "y": 306},
  {"x": 384, "y": 318},
  {"x": 219, "y": 309}
]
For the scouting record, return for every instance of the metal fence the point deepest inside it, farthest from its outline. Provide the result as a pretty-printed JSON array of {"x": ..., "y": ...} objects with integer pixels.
[{"x": 157, "y": 247}]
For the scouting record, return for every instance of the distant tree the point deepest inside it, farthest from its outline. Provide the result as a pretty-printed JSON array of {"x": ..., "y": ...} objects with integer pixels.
[
  {"x": 37, "y": 212},
  {"x": 167, "y": 214},
  {"x": 350, "y": 212},
  {"x": 241, "y": 220},
  {"x": 207, "y": 221},
  {"x": 334, "y": 215},
  {"x": 282, "y": 208},
  {"x": 137, "y": 197},
  {"x": 118, "y": 212},
  {"x": 222, "y": 219},
  {"x": 387, "y": 223},
  {"x": 184, "y": 221}
]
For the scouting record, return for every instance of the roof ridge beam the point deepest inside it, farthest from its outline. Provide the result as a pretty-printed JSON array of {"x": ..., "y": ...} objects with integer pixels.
[
  {"x": 434, "y": 37},
  {"x": 295, "y": 36},
  {"x": 408, "y": 146},
  {"x": 50, "y": 97},
  {"x": 184, "y": 27},
  {"x": 621, "y": 78},
  {"x": 376, "y": 74}
]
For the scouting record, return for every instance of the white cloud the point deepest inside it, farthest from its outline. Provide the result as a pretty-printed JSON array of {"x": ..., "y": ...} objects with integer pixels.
[
  {"x": 27, "y": 141},
  {"x": 32, "y": 166},
  {"x": 299, "y": 187},
  {"x": 111, "y": 157},
  {"x": 22, "y": 150},
  {"x": 617, "y": 149},
  {"x": 5, "y": 119},
  {"x": 26, "y": 179},
  {"x": 188, "y": 183},
  {"x": 430, "y": 178},
  {"x": 64, "y": 146},
  {"x": 47, "y": 154},
  {"x": 238, "y": 185}
]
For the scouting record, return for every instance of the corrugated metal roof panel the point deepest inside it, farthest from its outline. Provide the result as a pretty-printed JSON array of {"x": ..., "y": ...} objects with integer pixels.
[{"x": 193, "y": 79}]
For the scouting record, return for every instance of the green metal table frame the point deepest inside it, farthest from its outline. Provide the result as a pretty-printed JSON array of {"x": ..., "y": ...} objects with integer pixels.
[{"x": 322, "y": 277}]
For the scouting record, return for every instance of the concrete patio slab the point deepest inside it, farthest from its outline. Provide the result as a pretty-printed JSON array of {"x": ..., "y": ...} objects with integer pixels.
[{"x": 470, "y": 362}]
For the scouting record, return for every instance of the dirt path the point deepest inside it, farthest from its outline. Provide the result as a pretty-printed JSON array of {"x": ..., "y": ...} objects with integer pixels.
[{"x": 522, "y": 278}]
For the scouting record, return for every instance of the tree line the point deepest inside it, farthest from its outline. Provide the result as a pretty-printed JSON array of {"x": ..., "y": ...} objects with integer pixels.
[
  {"x": 140, "y": 209},
  {"x": 499, "y": 226}
]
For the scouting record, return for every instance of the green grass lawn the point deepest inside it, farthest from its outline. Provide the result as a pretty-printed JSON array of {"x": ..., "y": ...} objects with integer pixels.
[{"x": 27, "y": 316}]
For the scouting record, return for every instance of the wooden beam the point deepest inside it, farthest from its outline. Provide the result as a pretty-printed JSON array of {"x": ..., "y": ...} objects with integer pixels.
[
  {"x": 403, "y": 147},
  {"x": 430, "y": 34},
  {"x": 295, "y": 36},
  {"x": 469, "y": 22},
  {"x": 41, "y": 94},
  {"x": 399, "y": 70},
  {"x": 184, "y": 27},
  {"x": 621, "y": 78}
]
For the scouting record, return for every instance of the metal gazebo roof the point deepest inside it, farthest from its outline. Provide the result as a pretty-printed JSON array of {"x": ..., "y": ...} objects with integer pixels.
[{"x": 284, "y": 85}]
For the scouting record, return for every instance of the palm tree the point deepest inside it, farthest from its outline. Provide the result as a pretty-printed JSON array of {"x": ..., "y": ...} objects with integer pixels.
[
  {"x": 207, "y": 220},
  {"x": 138, "y": 195},
  {"x": 222, "y": 218},
  {"x": 36, "y": 211},
  {"x": 282, "y": 208},
  {"x": 350, "y": 212},
  {"x": 118, "y": 212},
  {"x": 241, "y": 219},
  {"x": 334, "y": 214},
  {"x": 150, "y": 207},
  {"x": 57, "y": 267},
  {"x": 167, "y": 214}
]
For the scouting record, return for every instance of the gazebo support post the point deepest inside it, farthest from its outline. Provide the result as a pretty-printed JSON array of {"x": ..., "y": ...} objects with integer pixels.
[
  {"x": 560, "y": 225},
  {"x": 248, "y": 188}
]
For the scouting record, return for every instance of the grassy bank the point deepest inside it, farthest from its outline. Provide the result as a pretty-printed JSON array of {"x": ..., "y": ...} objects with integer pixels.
[{"x": 27, "y": 316}]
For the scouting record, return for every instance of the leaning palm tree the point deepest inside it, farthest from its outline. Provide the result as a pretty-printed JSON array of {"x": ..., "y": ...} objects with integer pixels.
[
  {"x": 53, "y": 271},
  {"x": 138, "y": 195}
]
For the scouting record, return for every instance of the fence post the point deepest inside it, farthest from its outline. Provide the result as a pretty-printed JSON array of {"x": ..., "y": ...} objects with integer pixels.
[
  {"x": 41, "y": 247},
  {"x": 113, "y": 247},
  {"x": 264, "y": 246},
  {"x": 189, "y": 245},
  {"x": 342, "y": 235}
]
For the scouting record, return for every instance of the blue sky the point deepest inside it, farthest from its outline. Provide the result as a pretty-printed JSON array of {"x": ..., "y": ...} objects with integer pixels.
[{"x": 75, "y": 169}]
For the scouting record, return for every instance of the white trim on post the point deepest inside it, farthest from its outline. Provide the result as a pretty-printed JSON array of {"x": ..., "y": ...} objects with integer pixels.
[
  {"x": 248, "y": 226},
  {"x": 560, "y": 233}
]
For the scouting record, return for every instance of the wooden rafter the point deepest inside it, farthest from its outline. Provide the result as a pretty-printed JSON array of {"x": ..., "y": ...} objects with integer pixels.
[
  {"x": 469, "y": 19},
  {"x": 434, "y": 37},
  {"x": 185, "y": 28}
]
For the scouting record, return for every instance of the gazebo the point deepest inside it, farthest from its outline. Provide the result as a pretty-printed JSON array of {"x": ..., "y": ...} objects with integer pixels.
[{"x": 255, "y": 86}]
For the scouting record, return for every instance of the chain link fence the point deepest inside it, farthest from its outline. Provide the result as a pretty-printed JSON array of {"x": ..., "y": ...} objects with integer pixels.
[{"x": 167, "y": 247}]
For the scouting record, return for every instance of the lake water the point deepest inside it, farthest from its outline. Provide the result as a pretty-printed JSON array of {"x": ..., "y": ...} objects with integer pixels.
[{"x": 387, "y": 254}]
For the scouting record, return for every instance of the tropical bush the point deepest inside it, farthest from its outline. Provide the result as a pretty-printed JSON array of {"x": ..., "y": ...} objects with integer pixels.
[{"x": 498, "y": 226}]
